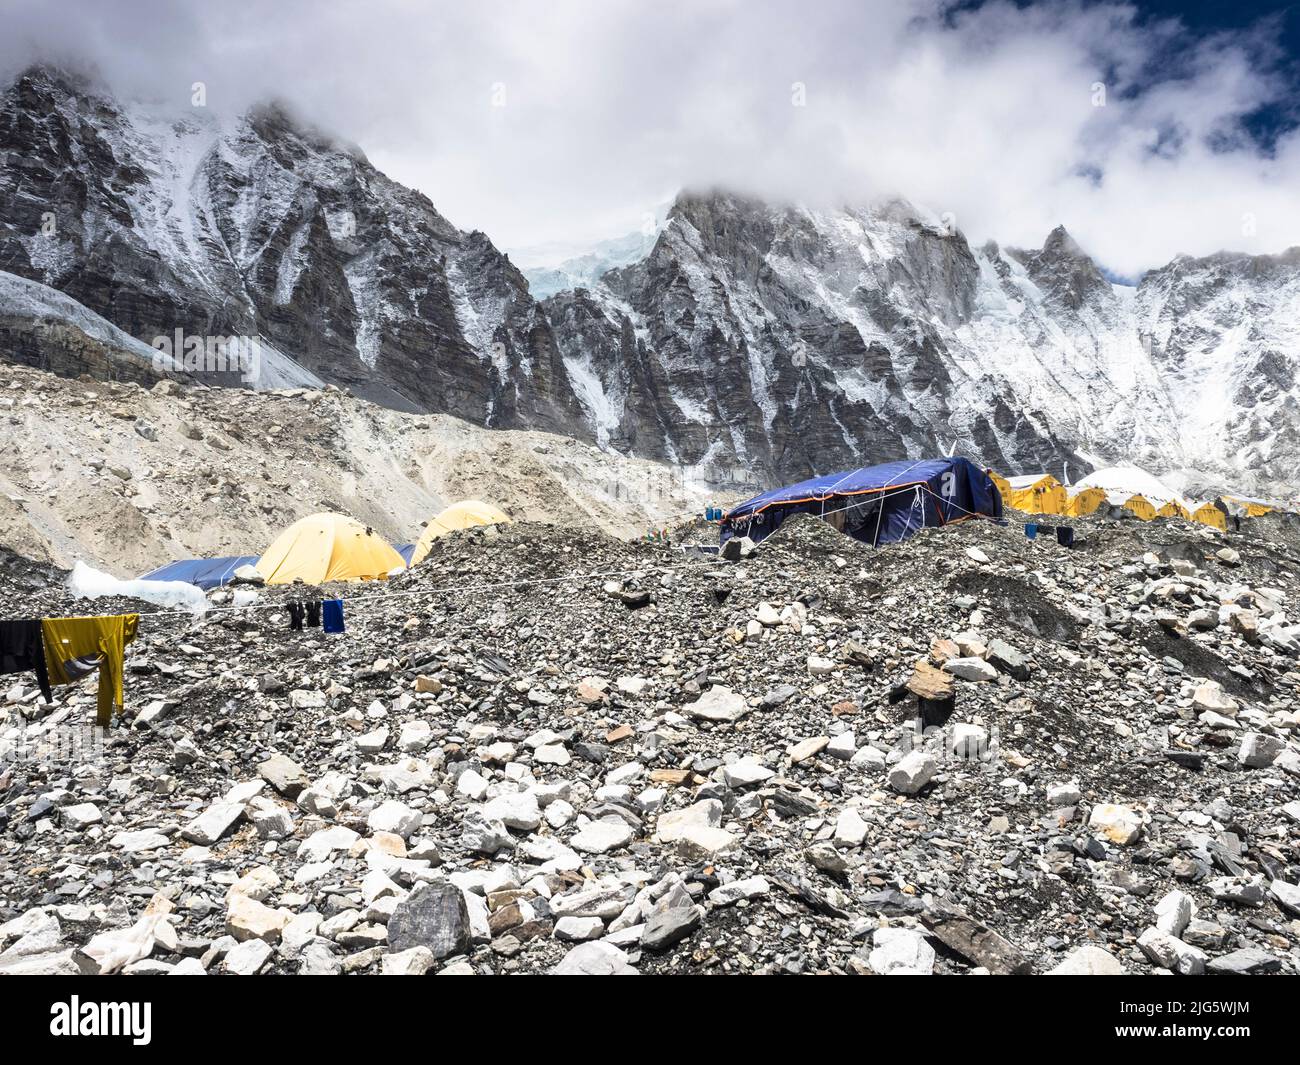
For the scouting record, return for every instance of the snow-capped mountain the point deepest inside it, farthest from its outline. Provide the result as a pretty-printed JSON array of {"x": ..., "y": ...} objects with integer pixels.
[
  {"x": 264, "y": 228},
  {"x": 798, "y": 340},
  {"x": 750, "y": 341},
  {"x": 557, "y": 267}
]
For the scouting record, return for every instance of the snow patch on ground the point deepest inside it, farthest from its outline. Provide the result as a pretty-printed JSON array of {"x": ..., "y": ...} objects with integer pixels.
[{"x": 86, "y": 582}]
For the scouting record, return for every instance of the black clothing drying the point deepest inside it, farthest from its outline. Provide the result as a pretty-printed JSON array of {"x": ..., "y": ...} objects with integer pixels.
[{"x": 22, "y": 647}]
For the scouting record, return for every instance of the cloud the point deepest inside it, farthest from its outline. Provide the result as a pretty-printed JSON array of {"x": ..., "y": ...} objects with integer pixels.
[{"x": 568, "y": 120}]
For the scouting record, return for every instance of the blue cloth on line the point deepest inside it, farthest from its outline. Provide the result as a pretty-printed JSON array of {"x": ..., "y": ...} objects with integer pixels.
[{"x": 332, "y": 615}]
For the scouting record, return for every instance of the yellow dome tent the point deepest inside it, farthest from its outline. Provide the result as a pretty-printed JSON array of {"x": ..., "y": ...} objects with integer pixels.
[
  {"x": 1174, "y": 509},
  {"x": 328, "y": 547},
  {"x": 1035, "y": 494},
  {"x": 1081, "y": 501},
  {"x": 1140, "y": 506},
  {"x": 463, "y": 515},
  {"x": 1209, "y": 514},
  {"x": 1253, "y": 508}
]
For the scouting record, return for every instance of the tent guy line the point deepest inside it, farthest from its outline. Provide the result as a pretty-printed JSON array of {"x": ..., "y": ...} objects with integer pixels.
[{"x": 352, "y": 600}]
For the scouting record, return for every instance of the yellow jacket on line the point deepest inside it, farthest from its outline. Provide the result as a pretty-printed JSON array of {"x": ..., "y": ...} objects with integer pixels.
[{"x": 104, "y": 639}]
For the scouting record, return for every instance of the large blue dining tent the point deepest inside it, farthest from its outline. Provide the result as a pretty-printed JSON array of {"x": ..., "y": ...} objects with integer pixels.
[{"x": 876, "y": 504}]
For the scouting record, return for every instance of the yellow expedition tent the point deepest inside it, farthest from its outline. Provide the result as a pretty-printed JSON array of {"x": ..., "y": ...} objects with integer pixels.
[
  {"x": 1082, "y": 501},
  {"x": 328, "y": 547},
  {"x": 1209, "y": 514},
  {"x": 1250, "y": 508},
  {"x": 463, "y": 515},
  {"x": 1141, "y": 506},
  {"x": 1038, "y": 493}
]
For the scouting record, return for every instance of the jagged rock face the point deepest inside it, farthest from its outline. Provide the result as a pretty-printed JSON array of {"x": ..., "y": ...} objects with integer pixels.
[
  {"x": 265, "y": 229},
  {"x": 802, "y": 341},
  {"x": 756, "y": 343},
  {"x": 1224, "y": 331},
  {"x": 794, "y": 341}
]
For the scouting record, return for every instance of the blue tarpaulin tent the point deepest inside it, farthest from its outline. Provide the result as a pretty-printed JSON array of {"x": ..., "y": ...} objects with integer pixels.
[
  {"x": 876, "y": 504},
  {"x": 203, "y": 572},
  {"x": 214, "y": 572}
]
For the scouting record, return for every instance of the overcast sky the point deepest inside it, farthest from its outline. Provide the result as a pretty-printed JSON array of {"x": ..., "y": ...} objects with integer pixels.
[{"x": 543, "y": 121}]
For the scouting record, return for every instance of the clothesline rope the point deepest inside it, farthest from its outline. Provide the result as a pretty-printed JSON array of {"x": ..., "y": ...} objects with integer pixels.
[
  {"x": 539, "y": 581},
  {"x": 353, "y": 600}
]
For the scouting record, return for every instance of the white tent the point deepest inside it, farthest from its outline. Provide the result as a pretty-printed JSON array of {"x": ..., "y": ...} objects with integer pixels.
[{"x": 1121, "y": 483}]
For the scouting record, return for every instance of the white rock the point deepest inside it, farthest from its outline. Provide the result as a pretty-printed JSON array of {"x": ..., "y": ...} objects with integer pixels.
[
  {"x": 471, "y": 785},
  {"x": 1117, "y": 823},
  {"x": 519, "y": 811},
  {"x": 249, "y": 919},
  {"x": 805, "y": 749},
  {"x": 842, "y": 747},
  {"x": 974, "y": 669},
  {"x": 746, "y": 773},
  {"x": 850, "y": 829},
  {"x": 913, "y": 772},
  {"x": 1089, "y": 961},
  {"x": 373, "y": 742},
  {"x": 213, "y": 823},
  {"x": 414, "y": 737},
  {"x": 625, "y": 774},
  {"x": 258, "y": 883},
  {"x": 601, "y": 837},
  {"x": 597, "y": 958},
  {"x": 81, "y": 816},
  {"x": 247, "y": 958},
  {"x": 738, "y": 890},
  {"x": 868, "y": 757},
  {"x": 701, "y": 843},
  {"x": 414, "y": 962},
  {"x": 1209, "y": 695},
  {"x": 579, "y": 929},
  {"x": 969, "y": 741},
  {"x": 395, "y": 817},
  {"x": 900, "y": 952},
  {"x": 324, "y": 842},
  {"x": 1174, "y": 913},
  {"x": 552, "y": 754},
  {"x": 719, "y": 703},
  {"x": 670, "y": 826}
]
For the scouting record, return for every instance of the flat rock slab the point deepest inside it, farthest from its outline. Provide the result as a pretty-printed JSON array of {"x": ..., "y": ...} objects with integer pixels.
[
  {"x": 669, "y": 927},
  {"x": 284, "y": 775},
  {"x": 976, "y": 941},
  {"x": 594, "y": 959},
  {"x": 719, "y": 703},
  {"x": 601, "y": 837},
  {"x": 213, "y": 823}
]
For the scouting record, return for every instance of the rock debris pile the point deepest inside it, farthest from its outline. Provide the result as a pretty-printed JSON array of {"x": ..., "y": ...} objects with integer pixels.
[{"x": 685, "y": 765}]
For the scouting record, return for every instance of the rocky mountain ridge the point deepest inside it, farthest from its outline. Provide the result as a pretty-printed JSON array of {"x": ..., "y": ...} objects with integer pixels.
[
  {"x": 753, "y": 343},
  {"x": 262, "y": 227}
]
